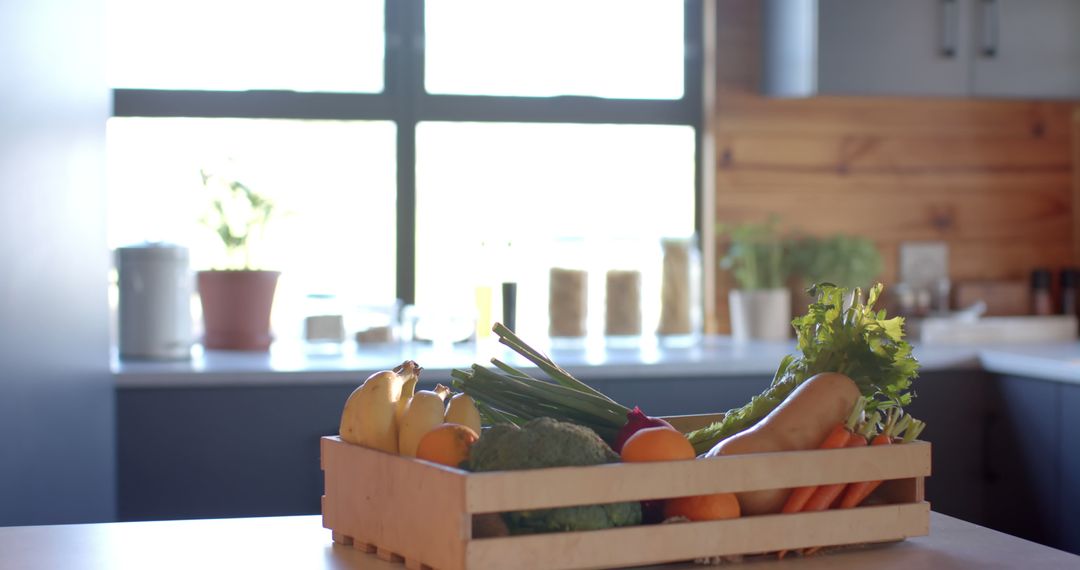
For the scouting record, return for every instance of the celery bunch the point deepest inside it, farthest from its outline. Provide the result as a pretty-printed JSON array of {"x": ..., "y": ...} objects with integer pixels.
[{"x": 836, "y": 335}]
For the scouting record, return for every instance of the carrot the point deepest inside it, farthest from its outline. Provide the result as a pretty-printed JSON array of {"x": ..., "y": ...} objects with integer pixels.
[
  {"x": 837, "y": 438},
  {"x": 826, "y": 494},
  {"x": 856, "y": 493}
]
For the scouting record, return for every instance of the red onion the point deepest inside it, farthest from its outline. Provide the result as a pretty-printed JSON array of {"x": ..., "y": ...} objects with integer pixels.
[{"x": 636, "y": 420}]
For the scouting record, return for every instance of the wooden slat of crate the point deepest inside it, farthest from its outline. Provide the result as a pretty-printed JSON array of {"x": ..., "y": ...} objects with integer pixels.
[
  {"x": 401, "y": 506},
  {"x": 668, "y": 543},
  {"x": 564, "y": 486}
]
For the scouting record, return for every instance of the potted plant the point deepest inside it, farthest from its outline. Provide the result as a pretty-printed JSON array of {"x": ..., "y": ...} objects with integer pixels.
[
  {"x": 846, "y": 261},
  {"x": 237, "y": 299},
  {"x": 760, "y": 304}
]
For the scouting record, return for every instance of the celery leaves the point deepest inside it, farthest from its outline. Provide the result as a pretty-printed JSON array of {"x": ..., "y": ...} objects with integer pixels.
[{"x": 839, "y": 333}]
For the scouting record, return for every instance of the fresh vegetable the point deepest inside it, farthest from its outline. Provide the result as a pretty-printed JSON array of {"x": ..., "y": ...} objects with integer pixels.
[
  {"x": 856, "y": 493},
  {"x": 636, "y": 420},
  {"x": 848, "y": 338},
  {"x": 837, "y": 438},
  {"x": 447, "y": 444},
  {"x": 462, "y": 410},
  {"x": 370, "y": 414},
  {"x": 505, "y": 394},
  {"x": 825, "y": 495},
  {"x": 424, "y": 411},
  {"x": 545, "y": 442},
  {"x": 801, "y": 422},
  {"x": 408, "y": 388}
]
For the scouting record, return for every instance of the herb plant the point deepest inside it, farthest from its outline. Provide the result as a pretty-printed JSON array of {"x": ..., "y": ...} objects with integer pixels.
[
  {"x": 847, "y": 261},
  {"x": 757, "y": 257},
  {"x": 236, "y": 214}
]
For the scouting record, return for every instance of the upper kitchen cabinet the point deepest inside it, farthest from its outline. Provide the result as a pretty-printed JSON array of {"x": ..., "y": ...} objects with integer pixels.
[
  {"x": 892, "y": 47},
  {"x": 980, "y": 48},
  {"x": 1027, "y": 48}
]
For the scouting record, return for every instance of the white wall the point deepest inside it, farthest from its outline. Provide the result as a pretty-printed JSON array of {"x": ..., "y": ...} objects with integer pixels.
[{"x": 57, "y": 435}]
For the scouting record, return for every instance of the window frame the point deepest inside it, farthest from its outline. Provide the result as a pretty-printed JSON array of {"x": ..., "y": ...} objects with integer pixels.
[{"x": 405, "y": 102}]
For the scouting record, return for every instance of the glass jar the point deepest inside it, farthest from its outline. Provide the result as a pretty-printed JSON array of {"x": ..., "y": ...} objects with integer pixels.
[
  {"x": 627, "y": 273},
  {"x": 324, "y": 324},
  {"x": 680, "y": 292},
  {"x": 568, "y": 291}
]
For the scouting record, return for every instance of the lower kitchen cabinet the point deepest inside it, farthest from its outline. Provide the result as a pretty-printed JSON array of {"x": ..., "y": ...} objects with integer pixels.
[
  {"x": 952, "y": 404},
  {"x": 1023, "y": 459},
  {"x": 1069, "y": 451}
]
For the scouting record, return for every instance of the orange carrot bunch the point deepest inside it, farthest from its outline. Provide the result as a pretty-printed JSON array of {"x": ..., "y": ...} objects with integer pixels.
[{"x": 857, "y": 431}]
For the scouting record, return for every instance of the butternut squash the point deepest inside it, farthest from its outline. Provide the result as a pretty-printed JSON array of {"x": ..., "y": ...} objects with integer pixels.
[
  {"x": 462, "y": 410},
  {"x": 424, "y": 412},
  {"x": 802, "y": 421}
]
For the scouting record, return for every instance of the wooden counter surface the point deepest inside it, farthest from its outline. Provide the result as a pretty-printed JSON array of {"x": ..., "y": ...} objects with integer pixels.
[{"x": 302, "y": 543}]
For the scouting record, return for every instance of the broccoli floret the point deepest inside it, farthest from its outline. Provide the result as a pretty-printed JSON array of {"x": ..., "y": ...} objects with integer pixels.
[{"x": 545, "y": 442}]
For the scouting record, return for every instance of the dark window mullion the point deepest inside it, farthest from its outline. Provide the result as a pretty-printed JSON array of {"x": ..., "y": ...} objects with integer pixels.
[
  {"x": 251, "y": 104},
  {"x": 404, "y": 83},
  {"x": 567, "y": 109},
  {"x": 693, "y": 92}
]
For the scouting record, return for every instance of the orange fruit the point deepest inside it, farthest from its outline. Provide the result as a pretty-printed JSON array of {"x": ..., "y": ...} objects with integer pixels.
[
  {"x": 446, "y": 444},
  {"x": 703, "y": 507},
  {"x": 657, "y": 444}
]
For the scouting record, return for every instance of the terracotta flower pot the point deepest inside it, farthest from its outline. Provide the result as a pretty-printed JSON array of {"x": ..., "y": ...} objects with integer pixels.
[{"x": 236, "y": 308}]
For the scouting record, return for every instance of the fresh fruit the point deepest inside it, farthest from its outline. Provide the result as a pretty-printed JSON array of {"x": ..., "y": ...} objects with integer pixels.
[
  {"x": 369, "y": 417},
  {"x": 703, "y": 507},
  {"x": 446, "y": 444},
  {"x": 462, "y": 410},
  {"x": 423, "y": 412},
  {"x": 657, "y": 444}
]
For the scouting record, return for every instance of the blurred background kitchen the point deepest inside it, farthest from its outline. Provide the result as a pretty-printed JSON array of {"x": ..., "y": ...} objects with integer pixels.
[{"x": 646, "y": 188}]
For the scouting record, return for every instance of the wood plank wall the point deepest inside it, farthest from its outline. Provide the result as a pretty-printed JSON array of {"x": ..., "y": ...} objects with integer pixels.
[{"x": 991, "y": 178}]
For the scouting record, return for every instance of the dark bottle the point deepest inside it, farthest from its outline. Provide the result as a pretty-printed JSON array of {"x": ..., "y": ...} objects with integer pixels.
[
  {"x": 1041, "y": 301},
  {"x": 1068, "y": 290}
]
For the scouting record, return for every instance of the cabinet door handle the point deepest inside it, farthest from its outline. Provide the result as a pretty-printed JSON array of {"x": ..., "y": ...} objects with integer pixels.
[
  {"x": 949, "y": 24},
  {"x": 989, "y": 28}
]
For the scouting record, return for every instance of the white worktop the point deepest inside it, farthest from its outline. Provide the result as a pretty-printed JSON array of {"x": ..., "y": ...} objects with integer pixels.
[
  {"x": 292, "y": 364},
  {"x": 1058, "y": 362},
  {"x": 301, "y": 542}
]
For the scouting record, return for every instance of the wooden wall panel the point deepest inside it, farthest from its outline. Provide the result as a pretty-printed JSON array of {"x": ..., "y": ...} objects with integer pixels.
[{"x": 991, "y": 178}]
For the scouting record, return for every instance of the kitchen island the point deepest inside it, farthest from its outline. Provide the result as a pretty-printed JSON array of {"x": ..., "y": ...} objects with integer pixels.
[{"x": 301, "y": 542}]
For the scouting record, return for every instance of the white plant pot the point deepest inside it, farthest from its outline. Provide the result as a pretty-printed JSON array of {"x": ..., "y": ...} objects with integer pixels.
[{"x": 760, "y": 315}]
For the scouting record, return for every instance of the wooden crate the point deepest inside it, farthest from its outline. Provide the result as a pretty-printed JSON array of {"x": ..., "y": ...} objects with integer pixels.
[{"x": 421, "y": 513}]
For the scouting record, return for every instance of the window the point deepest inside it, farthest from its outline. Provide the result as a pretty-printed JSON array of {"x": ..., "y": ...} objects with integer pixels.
[{"x": 409, "y": 142}]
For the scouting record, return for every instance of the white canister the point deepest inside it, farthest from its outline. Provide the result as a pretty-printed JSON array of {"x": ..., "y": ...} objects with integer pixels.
[{"x": 154, "y": 317}]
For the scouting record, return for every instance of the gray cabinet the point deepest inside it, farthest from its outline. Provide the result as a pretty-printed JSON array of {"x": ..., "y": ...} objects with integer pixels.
[
  {"x": 1027, "y": 48},
  {"x": 1069, "y": 451},
  {"x": 984, "y": 48},
  {"x": 893, "y": 47},
  {"x": 953, "y": 406},
  {"x": 1023, "y": 459}
]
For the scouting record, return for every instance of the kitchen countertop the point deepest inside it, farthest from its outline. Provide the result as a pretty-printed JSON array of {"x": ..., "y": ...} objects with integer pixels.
[
  {"x": 287, "y": 364},
  {"x": 301, "y": 542},
  {"x": 1058, "y": 362}
]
